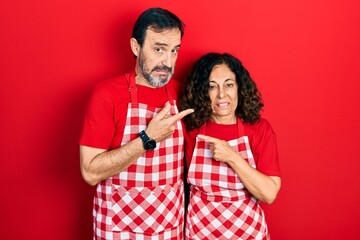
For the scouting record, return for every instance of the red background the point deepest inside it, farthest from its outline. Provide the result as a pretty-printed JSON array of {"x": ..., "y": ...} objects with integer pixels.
[{"x": 304, "y": 55}]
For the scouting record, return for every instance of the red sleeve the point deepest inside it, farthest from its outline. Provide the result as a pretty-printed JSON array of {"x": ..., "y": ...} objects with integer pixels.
[
  {"x": 264, "y": 147},
  {"x": 98, "y": 127}
]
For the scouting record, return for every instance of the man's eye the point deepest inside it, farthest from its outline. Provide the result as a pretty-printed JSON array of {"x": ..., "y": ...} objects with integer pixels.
[
  {"x": 158, "y": 49},
  {"x": 175, "y": 51}
]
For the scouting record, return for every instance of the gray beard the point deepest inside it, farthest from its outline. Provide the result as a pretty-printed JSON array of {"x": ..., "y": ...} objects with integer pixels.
[
  {"x": 154, "y": 81},
  {"x": 151, "y": 80}
]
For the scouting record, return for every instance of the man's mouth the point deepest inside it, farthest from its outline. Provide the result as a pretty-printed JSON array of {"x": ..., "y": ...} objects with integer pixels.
[{"x": 163, "y": 70}]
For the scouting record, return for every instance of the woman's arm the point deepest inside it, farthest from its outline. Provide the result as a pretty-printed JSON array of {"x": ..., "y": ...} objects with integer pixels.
[{"x": 263, "y": 187}]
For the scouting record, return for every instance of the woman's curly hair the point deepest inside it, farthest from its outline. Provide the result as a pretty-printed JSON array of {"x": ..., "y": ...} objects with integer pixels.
[{"x": 196, "y": 92}]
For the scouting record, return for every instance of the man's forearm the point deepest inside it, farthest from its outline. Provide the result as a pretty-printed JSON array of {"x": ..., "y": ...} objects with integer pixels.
[{"x": 100, "y": 164}]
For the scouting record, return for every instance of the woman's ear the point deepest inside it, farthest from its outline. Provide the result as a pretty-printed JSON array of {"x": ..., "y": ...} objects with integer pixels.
[{"x": 135, "y": 47}]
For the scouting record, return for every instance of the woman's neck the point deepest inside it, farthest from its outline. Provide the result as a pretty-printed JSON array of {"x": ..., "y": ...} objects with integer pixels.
[{"x": 224, "y": 120}]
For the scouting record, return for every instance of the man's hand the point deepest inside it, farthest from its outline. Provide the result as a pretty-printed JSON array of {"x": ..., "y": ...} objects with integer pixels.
[{"x": 163, "y": 124}]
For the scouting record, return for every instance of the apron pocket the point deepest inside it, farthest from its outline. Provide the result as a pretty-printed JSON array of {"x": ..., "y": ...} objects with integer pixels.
[
  {"x": 147, "y": 210},
  {"x": 230, "y": 220}
]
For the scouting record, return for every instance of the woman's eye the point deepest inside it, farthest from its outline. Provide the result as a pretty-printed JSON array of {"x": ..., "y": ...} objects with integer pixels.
[{"x": 212, "y": 87}]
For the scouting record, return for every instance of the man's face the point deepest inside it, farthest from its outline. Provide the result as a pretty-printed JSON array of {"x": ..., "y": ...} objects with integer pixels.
[{"x": 157, "y": 57}]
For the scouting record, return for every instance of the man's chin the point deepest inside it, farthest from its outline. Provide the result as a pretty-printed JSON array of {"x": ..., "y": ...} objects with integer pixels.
[{"x": 160, "y": 81}]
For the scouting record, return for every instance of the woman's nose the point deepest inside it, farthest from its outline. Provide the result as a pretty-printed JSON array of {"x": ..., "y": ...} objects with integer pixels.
[{"x": 221, "y": 93}]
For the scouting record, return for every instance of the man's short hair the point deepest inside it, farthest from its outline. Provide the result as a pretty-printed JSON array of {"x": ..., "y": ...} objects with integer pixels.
[{"x": 158, "y": 20}]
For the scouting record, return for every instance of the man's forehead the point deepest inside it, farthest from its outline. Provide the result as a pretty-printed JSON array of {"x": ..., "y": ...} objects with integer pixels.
[{"x": 168, "y": 37}]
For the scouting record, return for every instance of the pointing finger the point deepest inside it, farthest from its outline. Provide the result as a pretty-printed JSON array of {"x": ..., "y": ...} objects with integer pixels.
[
  {"x": 180, "y": 115},
  {"x": 207, "y": 138}
]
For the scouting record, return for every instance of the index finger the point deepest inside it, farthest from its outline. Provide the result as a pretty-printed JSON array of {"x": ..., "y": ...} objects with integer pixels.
[
  {"x": 207, "y": 138},
  {"x": 180, "y": 115}
]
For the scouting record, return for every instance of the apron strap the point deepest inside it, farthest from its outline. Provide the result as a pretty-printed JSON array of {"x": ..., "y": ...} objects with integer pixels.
[
  {"x": 130, "y": 78},
  {"x": 132, "y": 87},
  {"x": 240, "y": 126},
  {"x": 168, "y": 94}
]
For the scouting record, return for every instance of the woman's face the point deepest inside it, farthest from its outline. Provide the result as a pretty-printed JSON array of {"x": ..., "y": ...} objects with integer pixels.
[{"x": 223, "y": 92}]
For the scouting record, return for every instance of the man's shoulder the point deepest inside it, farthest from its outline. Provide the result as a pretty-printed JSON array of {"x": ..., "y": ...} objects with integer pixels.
[
  {"x": 118, "y": 81},
  {"x": 112, "y": 85},
  {"x": 176, "y": 83},
  {"x": 176, "y": 86}
]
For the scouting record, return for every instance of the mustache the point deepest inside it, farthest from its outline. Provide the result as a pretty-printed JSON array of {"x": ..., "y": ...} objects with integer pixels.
[{"x": 169, "y": 69}]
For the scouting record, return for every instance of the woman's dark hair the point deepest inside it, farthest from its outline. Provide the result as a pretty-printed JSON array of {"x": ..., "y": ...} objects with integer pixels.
[
  {"x": 158, "y": 19},
  {"x": 196, "y": 92}
]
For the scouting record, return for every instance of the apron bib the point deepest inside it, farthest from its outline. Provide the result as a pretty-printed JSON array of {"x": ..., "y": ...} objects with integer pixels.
[
  {"x": 146, "y": 200},
  {"x": 220, "y": 206}
]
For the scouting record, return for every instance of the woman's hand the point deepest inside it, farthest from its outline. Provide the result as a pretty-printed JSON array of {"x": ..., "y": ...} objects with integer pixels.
[
  {"x": 263, "y": 187},
  {"x": 221, "y": 150}
]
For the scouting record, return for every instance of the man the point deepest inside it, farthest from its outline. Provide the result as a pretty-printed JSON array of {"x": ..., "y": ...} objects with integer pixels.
[{"x": 132, "y": 140}]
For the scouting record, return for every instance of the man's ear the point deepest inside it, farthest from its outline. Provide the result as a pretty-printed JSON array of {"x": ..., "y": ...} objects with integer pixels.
[{"x": 135, "y": 47}]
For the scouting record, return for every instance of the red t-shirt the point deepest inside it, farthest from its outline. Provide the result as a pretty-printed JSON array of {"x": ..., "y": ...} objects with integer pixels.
[
  {"x": 261, "y": 137},
  {"x": 105, "y": 116}
]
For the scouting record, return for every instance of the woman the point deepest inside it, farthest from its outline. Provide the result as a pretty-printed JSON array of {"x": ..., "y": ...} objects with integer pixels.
[{"x": 230, "y": 151}]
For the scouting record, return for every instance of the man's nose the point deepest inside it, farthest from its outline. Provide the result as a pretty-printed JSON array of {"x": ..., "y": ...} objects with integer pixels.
[{"x": 167, "y": 60}]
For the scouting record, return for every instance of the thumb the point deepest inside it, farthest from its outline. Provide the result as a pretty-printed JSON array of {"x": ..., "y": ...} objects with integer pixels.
[{"x": 164, "y": 111}]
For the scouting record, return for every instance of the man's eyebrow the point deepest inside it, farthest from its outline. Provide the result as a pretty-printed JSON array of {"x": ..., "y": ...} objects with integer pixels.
[
  {"x": 161, "y": 44},
  {"x": 165, "y": 44}
]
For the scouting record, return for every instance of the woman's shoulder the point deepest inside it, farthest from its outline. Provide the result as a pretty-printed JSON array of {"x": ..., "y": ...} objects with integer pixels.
[
  {"x": 259, "y": 124},
  {"x": 260, "y": 127}
]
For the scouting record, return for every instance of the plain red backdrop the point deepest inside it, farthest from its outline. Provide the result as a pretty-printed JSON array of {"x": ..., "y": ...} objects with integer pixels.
[{"x": 304, "y": 55}]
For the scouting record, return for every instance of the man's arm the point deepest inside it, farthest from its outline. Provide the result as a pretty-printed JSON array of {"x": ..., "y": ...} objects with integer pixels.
[{"x": 98, "y": 164}]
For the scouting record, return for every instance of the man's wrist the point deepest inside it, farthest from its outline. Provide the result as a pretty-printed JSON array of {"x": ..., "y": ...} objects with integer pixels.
[{"x": 148, "y": 143}]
